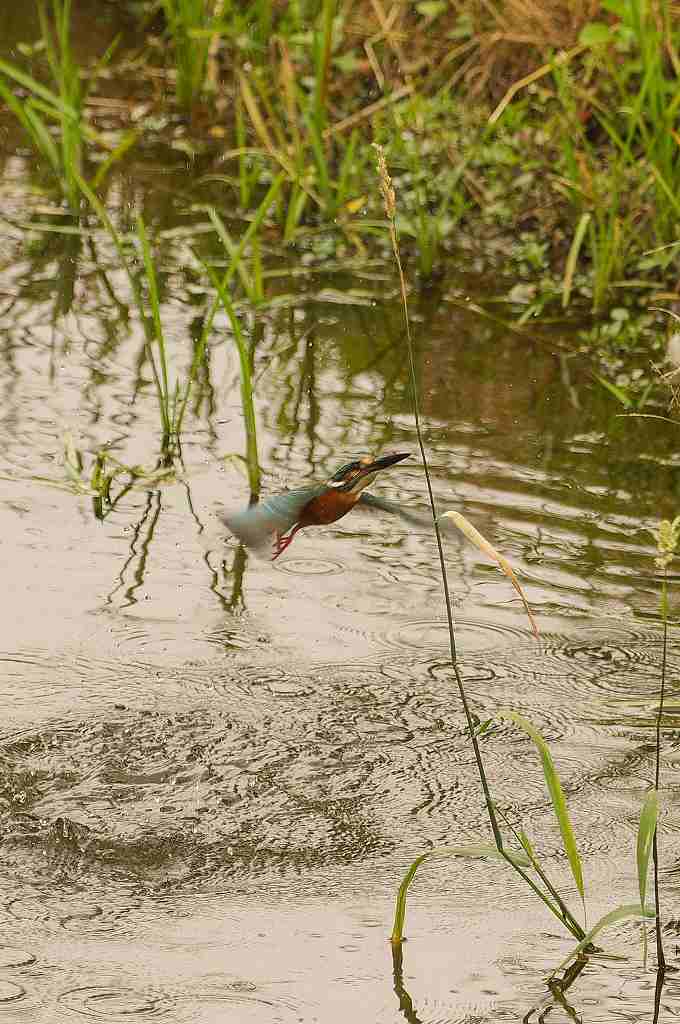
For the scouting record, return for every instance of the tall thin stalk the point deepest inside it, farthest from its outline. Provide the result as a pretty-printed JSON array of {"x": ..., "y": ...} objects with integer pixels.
[
  {"x": 389, "y": 199},
  {"x": 660, "y": 955},
  {"x": 667, "y": 542}
]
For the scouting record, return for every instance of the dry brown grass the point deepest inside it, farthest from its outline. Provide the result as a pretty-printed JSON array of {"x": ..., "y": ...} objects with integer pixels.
[
  {"x": 513, "y": 36},
  {"x": 543, "y": 23},
  {"x": 481, "y": 46},
  {"x": 510, "y": 38}
]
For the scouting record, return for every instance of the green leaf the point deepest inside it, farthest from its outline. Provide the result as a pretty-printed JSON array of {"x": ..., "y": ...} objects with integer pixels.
[
  {"x": 478, "y": 850},
  {"x": 618, "y": 393},
  {"x": 617, "y": 7},
  {"x": 556, "y": 795},
  {"x": 431, "y": 8},
  {"x": 463, "y": 29},
  {"x": 595, "y": 33},
  {"x": 572, "y": 258},
  {"x": 645, "y": 839},
  {"x": 613, "y": 917},
  {"x": 36, "y": 89},
  {"x": 230, "y": 246},
  {"x": 347, "y": 63},
  {"x": 526, "y": 845},
  {"x": 128, "y": 140}
]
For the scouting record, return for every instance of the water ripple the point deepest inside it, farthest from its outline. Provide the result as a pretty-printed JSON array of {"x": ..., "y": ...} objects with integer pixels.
[
  {"x": 115, "y": 1004},
  {"x": 247, "y": 770},
  {"x": 11, "y": 992},
  {"x": 310, "y": 567}
]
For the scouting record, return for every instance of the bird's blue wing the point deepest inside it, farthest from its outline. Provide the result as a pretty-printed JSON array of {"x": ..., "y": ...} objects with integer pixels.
[{"x": 255, "y": 525}]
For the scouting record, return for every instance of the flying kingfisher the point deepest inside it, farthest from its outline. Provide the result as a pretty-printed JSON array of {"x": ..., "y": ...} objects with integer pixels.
[{"x": 281, "y": 516}]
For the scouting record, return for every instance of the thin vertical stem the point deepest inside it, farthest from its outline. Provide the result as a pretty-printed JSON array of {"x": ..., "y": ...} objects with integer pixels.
[
  {"x": 658, "y": 989},
  {"x": 660, "y": 956},
  {"x": 390, "y": 203},
  {"x": 566, "y": 918}
]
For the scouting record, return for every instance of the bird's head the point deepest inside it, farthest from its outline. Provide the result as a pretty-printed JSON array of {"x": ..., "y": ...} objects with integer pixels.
[{"x": 354, "y": 476}]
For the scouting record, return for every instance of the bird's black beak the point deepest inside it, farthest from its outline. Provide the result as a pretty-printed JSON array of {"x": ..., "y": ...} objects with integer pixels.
[{"x": 382, "y": 463}]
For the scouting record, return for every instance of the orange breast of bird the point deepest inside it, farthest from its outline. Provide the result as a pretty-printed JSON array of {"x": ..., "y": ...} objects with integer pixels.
[{"x": 327, "y": 508}]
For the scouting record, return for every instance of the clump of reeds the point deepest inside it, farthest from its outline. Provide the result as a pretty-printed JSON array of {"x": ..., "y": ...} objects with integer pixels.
[
  {"x": 62, "y": 105},
  {"x": 173, "y": 398},
  {"x": 613, "y": 126},
  {"x": 291, "y": 122},
  {"x": 189, "y": 25}
]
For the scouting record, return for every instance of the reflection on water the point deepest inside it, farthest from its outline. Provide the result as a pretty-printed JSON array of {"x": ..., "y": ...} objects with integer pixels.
[{"x": 214, "y": 769}]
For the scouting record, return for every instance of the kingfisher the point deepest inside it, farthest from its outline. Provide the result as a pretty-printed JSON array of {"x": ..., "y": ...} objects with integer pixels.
[{"x": 282, "y": 515}]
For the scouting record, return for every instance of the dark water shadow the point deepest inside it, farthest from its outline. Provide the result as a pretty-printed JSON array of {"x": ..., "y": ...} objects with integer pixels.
[
  {"x": 556, "y": 998},
  {"x": 147, "y": 522},
  {"x": 406, "y": 1007},
  {"x": 658, "y": 988},
  {"x": 558, "y": 988}
]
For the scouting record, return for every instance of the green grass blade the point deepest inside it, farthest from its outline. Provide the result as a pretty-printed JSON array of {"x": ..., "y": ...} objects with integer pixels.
[
  {"x": 34, "y": 128},
  {"x": 246, "y": 379},
  {"x": 645, "y": 837},
  {"x": 254, "y": 226},
  {"x": 100, "y": 210},
  {"x": 34, "y": 87},
  {"x": 645, "y": 840},
  {"x": 527, "y": 846},
  {"x": 322, "y": 170},
  {"x": 104, "y": 60},
  {"x": 296, "y": 208},
  {"x": 257, "y": 295},
  {"x": 613, "y": 917},
  {"x": 48, "y": 109},
  {"x": 347, "y": 168},
  {"x": 126, "y": 143},
  {"x": 152, "y": 284},
  {"x": 572, "y": 258},
  {"x": 233, "y": 251},
  {"x": 618, "y": 393},
  {"x": 556, "y": 795},
  {"x": 476, "y": 851},
  {"x": 47, "y": 38},
  {"x": 666, "y": 189},
  {"x": 181, "y": 403},
  {"x": 323, "y": 44}
]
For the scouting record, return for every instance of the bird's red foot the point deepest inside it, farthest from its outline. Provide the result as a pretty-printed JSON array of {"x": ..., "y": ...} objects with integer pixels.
[{"x": 281, "y": 542}]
